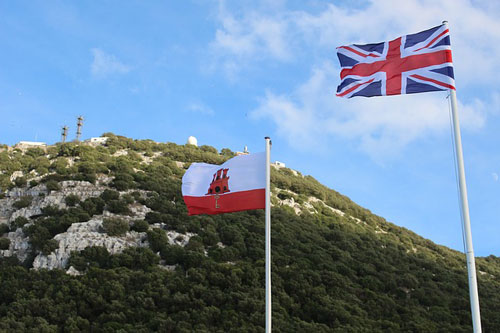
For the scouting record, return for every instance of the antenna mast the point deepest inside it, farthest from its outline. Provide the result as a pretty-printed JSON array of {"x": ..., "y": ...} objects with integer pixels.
[
  {"x": 79, "y": 125},
  {"x": 64, "y": 133}
]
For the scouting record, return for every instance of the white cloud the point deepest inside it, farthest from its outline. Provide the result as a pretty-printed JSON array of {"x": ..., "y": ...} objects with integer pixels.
[
  {"x": 279, "y": 35},
  {"x": 252, "y": 37},
  {"x": 311, "y": 112},
  {"x": 379, "y": 126},
  {"x": 105, "y": 64},
  {"x": 200, "y": 108},
  {"x": 495, "y": 176}
]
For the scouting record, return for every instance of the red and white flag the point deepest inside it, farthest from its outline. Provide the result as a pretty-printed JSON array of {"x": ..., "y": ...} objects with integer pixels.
[{"x": 238, "y": 184}]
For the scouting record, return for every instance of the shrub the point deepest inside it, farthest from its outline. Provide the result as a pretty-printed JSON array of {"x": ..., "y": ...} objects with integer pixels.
[
  {"x": 123, "y": 181},
  {"x": 72, "y": 199},
  {"x": 23, "y": 202},
  {"x": 140, "y": 226},
  {"x": 209, "y": 149},
  {"x": 78, "y": 214},
  {"x": 60, "y": 166},
  {"x": 51, "y": 210},
  {"x": 137, "y": 195},
  {"x": 20, "y": 181},
  {"x": 136, "y": 258},
  {"x": 52, "y": 185},
  {"x": 96, "y": 256},
  {"x": 38, "y": 235},
  {"x": 19, "y": 222},
  {"x": 128, "y": 199},
  {"x": 285, "y": 195},
  {"x": 118, "y": 207},
  {"x": 4, "y": 243},
  {"x": 115, "y": 226},
  {"x": 4, "y": 228},
  {"x": 109, "y": 195},
  {"x": 50, "y": 246},
  {"x": 227, "y": 152},
  {"x": 93, "y": 206},
  {"x": 35, "y": 152}
]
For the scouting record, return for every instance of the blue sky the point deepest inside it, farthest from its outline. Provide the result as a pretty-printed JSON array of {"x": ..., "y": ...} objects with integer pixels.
[{"x": 231, "y": 73}]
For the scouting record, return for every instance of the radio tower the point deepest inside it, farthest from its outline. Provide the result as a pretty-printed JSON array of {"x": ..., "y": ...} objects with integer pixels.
[
  {"x": 79, "y": 125},
  {"x": 64, "y": 133}
]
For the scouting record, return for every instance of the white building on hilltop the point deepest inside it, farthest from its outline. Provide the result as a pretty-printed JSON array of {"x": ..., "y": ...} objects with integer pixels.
[
  {"x": 23, "y": 145},
  {"x": 97, "y": 141}
]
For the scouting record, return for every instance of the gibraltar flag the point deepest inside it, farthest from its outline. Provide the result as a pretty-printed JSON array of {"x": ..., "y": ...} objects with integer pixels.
[{"x": 238, "y": 184}]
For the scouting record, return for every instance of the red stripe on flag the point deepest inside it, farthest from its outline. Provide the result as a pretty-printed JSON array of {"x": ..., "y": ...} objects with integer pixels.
[
  {"x": 359, "y": 53},
  {"x": 433, "y": 81},
  {"x": 432, "y": 41},
  {"x": 226, "y": 203},
  {"x": 342, "y": 94}
]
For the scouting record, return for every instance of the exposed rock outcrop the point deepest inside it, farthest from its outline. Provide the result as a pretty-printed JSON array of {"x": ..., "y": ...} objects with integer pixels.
[
  {"x": 87, "y": 234},
  {"x": 18, "y": 247}
]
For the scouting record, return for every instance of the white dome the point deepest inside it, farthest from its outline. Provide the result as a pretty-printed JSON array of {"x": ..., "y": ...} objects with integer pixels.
[{"x": 192, "y": 141}]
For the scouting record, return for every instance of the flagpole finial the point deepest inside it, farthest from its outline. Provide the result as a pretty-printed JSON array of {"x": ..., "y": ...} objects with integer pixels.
[
  {"x": 267, "y": 138},
  {"x": 445, "y": 22}
]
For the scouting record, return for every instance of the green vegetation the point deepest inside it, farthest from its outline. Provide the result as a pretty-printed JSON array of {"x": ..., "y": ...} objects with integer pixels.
[
  {"x": 140, "y": 226},
  {"x": 72, "y": 200},
  {"x": 52, "y": 185},
  {"x": 4, "y": 243},
  {"x": 331, "y": 273},
  {"x": 23, "y": 202},
  {"x": 115, "y": 226},
  {"x": 19, "y": 222},
  {"x": 4, "y": 228}
]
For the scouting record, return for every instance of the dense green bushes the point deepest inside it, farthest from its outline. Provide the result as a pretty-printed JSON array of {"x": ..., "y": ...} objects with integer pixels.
[
  {"x": 331, "y": 273},
  {"x": 23, "y": 202},
  {"x": 115, "y": 226},
  {"x": 4, "y": 243}
]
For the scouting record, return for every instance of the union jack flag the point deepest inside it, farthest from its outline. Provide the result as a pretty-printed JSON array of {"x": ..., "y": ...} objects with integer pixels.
[{"x": 410, "y": 64}]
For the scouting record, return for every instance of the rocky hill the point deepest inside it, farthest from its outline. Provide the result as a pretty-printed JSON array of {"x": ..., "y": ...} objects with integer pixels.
[{"x": 96, "y": 237}]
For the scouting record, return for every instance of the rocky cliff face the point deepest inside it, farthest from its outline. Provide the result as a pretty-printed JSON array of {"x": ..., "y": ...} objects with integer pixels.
[
  {"x": 41, "y": 197},
  {"x": 86, "y": 234},
  {"x": 79, "y": 235}
]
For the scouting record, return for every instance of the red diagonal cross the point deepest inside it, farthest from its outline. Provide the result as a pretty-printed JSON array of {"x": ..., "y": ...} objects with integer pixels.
[{"x": 394, "y": 65}]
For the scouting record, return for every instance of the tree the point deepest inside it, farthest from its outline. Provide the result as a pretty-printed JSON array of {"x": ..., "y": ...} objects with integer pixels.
[
  {"x": 20, "y": 181},
  {"x": 115, "y": 226},
  {"x": 72, "y": 200},
  {"x": 140, "y": 226},
  {"x": 52, "y": 185},
  {"x": 118, "y": 207},
  {"x": 23, "y": 202},
  {"x": 19, "y": 222},
  {"x": 108, "y": 195},
  {"x": 4, "y": 243},
  {"x": 4, "y": 228}
]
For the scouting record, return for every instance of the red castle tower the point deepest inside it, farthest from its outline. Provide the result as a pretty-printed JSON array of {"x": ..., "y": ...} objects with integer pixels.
[{"x": 219, "y": 183}]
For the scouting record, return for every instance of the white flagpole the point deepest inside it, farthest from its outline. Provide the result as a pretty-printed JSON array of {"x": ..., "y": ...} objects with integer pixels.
[
  {"x": 268, "y": 236},
  {"x": 471, "y": 263}
]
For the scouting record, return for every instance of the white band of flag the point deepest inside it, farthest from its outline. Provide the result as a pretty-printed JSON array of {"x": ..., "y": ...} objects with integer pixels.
[{"x": 236, "y": 185}]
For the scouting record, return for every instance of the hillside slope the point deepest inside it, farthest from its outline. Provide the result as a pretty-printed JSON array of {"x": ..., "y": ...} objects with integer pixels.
[{"x": 97, "y": 238}]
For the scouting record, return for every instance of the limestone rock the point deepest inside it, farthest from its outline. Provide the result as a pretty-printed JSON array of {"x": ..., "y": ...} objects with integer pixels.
[
  {"x": 41, "y": 197},
  {"x": 18, "y": 247},
  {"x": 86, "y": 234},
  {"x": 73, "y": 271}
]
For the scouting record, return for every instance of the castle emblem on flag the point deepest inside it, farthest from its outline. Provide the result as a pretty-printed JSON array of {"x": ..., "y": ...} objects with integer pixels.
[
  {"x": 208, "y": 188},
  {"x": 219, "y": 184}
]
